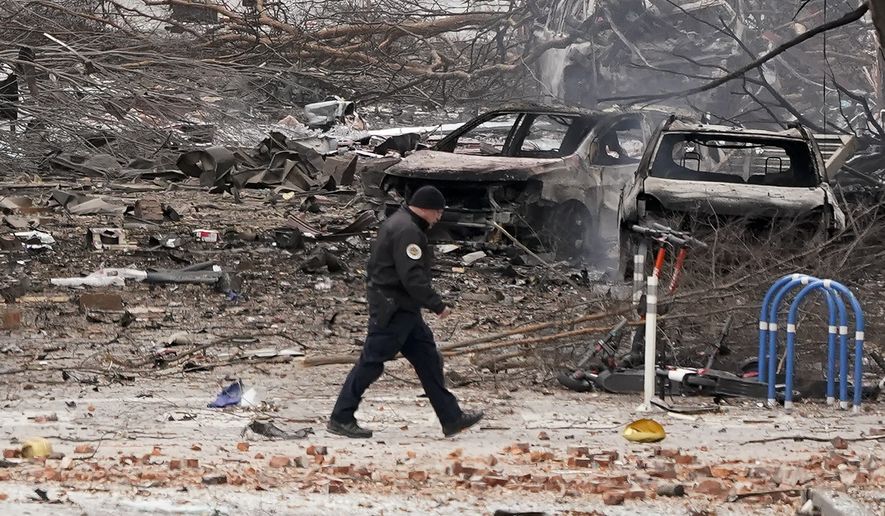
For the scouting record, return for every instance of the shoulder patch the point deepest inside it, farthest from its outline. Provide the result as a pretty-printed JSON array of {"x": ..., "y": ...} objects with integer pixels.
[{"x": 414, "y": 252}]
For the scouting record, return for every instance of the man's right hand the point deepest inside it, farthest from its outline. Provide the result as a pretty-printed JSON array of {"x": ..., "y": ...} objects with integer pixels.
[{"x": 445, "y": 313}]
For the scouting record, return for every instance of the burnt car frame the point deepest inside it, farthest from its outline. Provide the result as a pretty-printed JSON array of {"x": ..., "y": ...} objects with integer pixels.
[
  {"x": 727, "y": 173},
  {"x": 551, "y": 175}
]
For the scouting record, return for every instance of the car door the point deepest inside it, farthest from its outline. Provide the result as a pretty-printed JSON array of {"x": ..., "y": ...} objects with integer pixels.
[{"x": 616, "y": 148}]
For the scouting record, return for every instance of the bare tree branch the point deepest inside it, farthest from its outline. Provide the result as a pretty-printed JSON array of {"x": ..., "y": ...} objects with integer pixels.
[{"x": 846, "y": 19}]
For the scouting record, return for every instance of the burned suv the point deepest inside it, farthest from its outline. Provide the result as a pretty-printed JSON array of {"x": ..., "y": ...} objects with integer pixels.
[
  {"x": 728, "y": 173},
  {"x": 551, "y": 176}
]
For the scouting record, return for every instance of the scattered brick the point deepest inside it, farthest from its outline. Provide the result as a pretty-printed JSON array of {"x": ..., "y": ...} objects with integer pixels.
[
  {"x": 685, "y": 459},
  {"x": 614, "y": 497},
  {"x": 578, "y": 451},
  {"x": 699, "y": 471},
  {"x": 84, "y": 448},
  {"x": 494, "y": 481},
  {"x": 11, "y": 319},
  {"x": 853, "y": 478},
  {"x": 840, "y": 443},
  {"x": 612, "y": 454},
  {"x": 517, "y": 448},
  {"x": 792, "y": 476},
  {"x": 418, "y": 476},
  {"x": 175, "y": 464},
  {"x": 337, "y": 488},
  {"x": 192, "y": 463},
  {"x": 579, "y": 462},
  {"x": 153, "y": 476},
  {"x": 342, "y": 470},
  {"x": 661, "y": 469},
  {"x": 316, "y": 450},
  {"x": 280, "y": 461},
  {"x": 243, "y": 447},
  {"x": 101, "y": 302},
  {"x": 722, "y": 471},
  {"x": 711, "y": 487},
  {"x": 636, "y": 493},
  {"x": 603, "y": 461}
]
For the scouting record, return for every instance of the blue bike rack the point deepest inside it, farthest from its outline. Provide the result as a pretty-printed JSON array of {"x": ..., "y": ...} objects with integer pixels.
[{"x": 767, "y": 358}]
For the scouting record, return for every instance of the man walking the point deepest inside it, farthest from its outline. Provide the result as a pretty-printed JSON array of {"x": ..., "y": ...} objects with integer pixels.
[{"x": 399, "y": 286}]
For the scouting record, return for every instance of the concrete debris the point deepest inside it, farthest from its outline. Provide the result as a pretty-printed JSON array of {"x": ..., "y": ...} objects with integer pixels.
[{"x": 111, "y": 239}]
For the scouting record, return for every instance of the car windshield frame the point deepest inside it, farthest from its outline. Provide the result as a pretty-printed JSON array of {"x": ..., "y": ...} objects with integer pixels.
[
  {"x": 801, "y": 171},
  {"x": 523, "y": 123}
]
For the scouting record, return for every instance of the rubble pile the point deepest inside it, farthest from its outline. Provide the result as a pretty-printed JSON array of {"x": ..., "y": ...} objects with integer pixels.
[{"x": 189, "y": 192}]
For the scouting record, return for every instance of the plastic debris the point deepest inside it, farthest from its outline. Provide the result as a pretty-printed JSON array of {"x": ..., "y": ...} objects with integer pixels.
[
  {"x": 35, "y": 239},
  {"x": 229, "y": 396},
  {"x": 644, "y": 431},
  {"x": 36, "y": 447},
  {"x": 206, "y": 235},
  {"x": 270, "y": 430}
]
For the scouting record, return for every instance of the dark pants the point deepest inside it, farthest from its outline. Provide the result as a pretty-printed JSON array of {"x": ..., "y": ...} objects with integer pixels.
[{"x": 407, "y": 333}]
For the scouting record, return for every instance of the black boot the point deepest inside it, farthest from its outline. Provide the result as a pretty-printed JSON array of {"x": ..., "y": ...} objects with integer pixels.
[
  {"x": 465, "y": 421},
  {"x": 350, "y": 429}
]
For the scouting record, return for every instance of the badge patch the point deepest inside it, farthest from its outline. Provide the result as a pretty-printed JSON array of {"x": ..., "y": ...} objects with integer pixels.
[{"x": 414, "y": 252}]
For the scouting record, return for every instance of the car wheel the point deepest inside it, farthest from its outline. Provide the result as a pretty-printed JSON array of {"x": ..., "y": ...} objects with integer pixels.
[
  {"x": 626, "y": 250},
  {"x": 568, "y": 229}
]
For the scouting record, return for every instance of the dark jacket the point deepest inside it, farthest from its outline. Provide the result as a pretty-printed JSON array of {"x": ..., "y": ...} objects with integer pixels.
[{"x": 399, "y": 266}]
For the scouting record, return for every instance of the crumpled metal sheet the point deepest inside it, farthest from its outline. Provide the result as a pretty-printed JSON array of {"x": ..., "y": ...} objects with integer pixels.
[
  {"x": 276, "y": 162},
  {"x": 97, "y": 165},
  {"x": 364, "y": 221},
  {"x": 328, "y": 112},
  {"x": 209, "y": 164},
  {"x": 76, "y": 204}
]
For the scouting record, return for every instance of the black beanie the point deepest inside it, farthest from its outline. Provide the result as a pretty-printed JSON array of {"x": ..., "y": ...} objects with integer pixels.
[{"x": 428, "y": 197}]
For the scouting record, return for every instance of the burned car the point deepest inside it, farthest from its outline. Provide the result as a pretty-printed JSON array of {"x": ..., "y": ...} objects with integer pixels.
[
  {"x": 551, "y": 176},
  {"x": 728, "y": 173}
]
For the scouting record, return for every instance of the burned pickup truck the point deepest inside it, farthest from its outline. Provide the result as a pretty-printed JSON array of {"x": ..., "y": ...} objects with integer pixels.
[
  {"x": 727, "y": 173},
  {"x": 551, "y": 176}
]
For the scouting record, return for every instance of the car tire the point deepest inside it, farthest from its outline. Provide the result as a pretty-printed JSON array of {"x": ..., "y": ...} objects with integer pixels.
[{"x": 568, "y": 229}]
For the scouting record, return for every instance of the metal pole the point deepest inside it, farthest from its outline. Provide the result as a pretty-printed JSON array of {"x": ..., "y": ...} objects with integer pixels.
[
  {"x": 651, "y": 326},
  {"x": 639, "y": 271}
]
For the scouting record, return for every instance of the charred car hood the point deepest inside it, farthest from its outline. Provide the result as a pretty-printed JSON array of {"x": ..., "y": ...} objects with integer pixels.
[{"x": 449, "y": 166}]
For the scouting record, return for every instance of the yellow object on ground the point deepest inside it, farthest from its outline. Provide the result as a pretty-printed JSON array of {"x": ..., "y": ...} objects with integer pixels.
[
  {"x": 645, "y": 431},
  {"x": 37, "y": 447}
]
